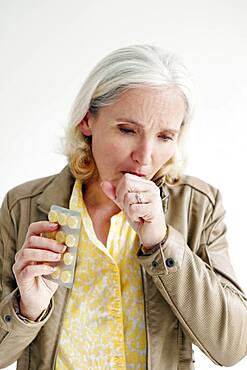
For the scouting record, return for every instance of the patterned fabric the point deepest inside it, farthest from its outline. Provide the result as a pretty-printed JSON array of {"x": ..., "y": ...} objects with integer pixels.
[{"x": 104, "y": 326}]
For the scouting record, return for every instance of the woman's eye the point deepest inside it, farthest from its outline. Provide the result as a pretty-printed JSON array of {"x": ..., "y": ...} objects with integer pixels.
[
  {"x": 126, "y": 130},
  {"x": 166, "y": 138}
]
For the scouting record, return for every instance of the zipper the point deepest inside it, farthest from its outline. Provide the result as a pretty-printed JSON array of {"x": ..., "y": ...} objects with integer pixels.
[
  {"x": 145, "y": 313},
  {"x": 60, "y": 328}
]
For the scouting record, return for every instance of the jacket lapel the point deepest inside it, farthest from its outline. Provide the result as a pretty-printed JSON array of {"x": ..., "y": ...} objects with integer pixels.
[{"x": 58, "y": 192}]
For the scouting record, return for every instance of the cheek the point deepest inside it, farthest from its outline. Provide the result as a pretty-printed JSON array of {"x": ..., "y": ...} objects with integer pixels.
[
  {"x": 167, "y": 153},
  {"x": 116, "y": 147},
  {"x": 108, "y": 152}
]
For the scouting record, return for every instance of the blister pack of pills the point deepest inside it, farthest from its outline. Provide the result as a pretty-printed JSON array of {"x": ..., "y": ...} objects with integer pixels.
[{"x": 68, "y": 233}]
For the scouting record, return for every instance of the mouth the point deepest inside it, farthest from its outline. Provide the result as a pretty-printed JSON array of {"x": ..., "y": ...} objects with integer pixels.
[{"x": 134, "y": 173}]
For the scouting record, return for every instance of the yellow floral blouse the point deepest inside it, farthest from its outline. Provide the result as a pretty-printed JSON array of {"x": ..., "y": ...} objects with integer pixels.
[{"x": 104, "y": 326}]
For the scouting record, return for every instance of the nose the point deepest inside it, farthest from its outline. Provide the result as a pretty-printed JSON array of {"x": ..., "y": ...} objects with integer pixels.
[{"x": 142, "y": 153}]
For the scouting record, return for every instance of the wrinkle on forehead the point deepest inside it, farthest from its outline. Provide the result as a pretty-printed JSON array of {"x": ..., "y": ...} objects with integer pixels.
[{"x": 150, "y": 107}]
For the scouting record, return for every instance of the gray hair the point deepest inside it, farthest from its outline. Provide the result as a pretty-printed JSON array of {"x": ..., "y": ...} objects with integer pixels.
[{"x": 123, "y": 69}]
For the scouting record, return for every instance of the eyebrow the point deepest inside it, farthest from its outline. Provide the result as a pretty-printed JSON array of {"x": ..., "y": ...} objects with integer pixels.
[{"x": 139, "y": 124}]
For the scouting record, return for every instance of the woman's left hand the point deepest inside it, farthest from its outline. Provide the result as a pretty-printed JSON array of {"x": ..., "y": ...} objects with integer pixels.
[{"x": 140, "y": 200}]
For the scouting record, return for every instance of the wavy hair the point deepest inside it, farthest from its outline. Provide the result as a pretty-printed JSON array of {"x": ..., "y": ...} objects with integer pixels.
[{"x": 123, "y": 69}]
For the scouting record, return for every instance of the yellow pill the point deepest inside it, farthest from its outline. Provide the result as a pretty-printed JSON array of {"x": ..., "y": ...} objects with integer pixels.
[
  {"x": 56, "y": 273},
  {"x": 73, "y": 222},
  {"x": 52, "y": 216},
  {"x": 60, "y": 237},
  {"x": 66, "y": 276},
  {"x": 71, "y": 241},
  {"x": 51, "y": 235},
  {"x": 62, "y": 219},
  {"x": 67, "y": 258}
]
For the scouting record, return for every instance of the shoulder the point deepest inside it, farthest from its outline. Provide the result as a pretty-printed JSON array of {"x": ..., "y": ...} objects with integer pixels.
[
  {"x": 193, "y": 184},
  {"x": 53, "y": 184},
  {"x": 29, "y": 189}
]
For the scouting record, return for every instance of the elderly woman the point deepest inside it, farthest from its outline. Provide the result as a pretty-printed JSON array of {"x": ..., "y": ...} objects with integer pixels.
[{"x": 152, "y": 273}]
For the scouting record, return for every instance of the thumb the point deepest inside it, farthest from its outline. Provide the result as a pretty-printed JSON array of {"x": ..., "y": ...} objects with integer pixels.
[{"x": 108, "y": 189}]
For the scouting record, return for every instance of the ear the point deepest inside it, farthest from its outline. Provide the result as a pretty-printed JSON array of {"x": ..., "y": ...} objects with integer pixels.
[{"x": 85, "y": 124}]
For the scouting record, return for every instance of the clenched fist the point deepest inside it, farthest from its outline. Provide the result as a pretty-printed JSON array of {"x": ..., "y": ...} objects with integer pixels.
[{"x": 140, "y": 200}]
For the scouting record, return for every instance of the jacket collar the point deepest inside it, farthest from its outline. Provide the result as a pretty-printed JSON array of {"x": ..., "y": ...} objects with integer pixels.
[{"x": 57, "y": 192}]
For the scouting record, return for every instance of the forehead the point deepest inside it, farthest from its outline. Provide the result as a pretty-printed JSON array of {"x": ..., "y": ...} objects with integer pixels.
[
  {"x": 142, "y": 94},
  {"x": 146, "y": 104}
]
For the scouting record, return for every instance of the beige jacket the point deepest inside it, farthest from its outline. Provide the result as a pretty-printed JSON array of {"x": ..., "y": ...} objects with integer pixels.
[{"x": 190, "y": 293}]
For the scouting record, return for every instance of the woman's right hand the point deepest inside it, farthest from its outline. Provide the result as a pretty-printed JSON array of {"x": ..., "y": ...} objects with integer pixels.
[{"x": 31, "y": 262}]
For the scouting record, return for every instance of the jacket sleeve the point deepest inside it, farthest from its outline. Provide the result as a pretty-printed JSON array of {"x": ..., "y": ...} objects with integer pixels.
[
  {"x": 203, "y": 293},
  {"x": 15, "y": 334}
]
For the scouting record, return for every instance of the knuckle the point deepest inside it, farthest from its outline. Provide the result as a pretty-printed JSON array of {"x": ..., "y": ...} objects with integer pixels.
[
  {"x": 132, "y": 210},
  {"x": 26, "y": 271},
  {"x": 23, "y": 254},
  {"x": 29, "y": 268},
  {"x": 28, "y": 242},
  {"x": 130, "y": 214},
  {"x": 127, "y": 198},
  {"x": 126, "y": 179},
  {"x": 17, "y": 255},
  {"x": 32, "y": 240},
  {"x": 31, "y": 226}
]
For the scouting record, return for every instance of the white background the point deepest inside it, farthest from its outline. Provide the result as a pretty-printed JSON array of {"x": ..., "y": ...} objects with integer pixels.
[{"x": 48, "y": 47}]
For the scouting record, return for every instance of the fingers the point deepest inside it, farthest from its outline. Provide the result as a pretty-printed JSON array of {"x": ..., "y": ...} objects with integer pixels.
[
  {"x": 141, "y": 212},
  {"x": 32, "y": 271},
  {"x": 38, "y": 243},
  {"x": 37, "y": 228},
  {"x": 28, "y": 256},
  {"x": 132, "y": 184},
  {"x": 44, "y": 243},
  {"x": 134, "y": 198},
  {"x": 139, "y": 198},
  {"x": 108, "y": 189},
  {"x": 37, "y": 255},
  {"x": 37, "y": 250},
  {"x": 135, "y": 190},
  {"x": 35, "y": 241}
]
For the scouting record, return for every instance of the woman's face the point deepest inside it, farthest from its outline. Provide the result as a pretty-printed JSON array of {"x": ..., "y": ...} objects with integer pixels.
[{"x": 136, "y": 134}]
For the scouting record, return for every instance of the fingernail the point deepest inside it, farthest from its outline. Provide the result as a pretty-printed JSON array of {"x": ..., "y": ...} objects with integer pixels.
[
  {"x": 53, "y": 268},
  {"x": 51, "y": 224}
]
